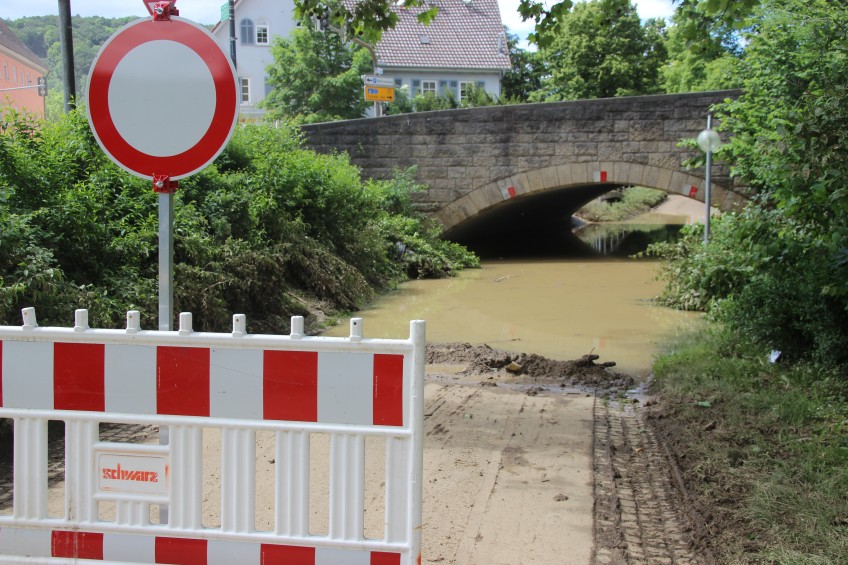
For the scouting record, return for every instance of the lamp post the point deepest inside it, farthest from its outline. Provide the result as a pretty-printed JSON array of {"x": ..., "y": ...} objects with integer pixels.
[{"x": 708, "y": 141}]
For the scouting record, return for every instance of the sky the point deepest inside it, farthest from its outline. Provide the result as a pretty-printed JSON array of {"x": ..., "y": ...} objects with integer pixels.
[{"x": 209, "y": 11}]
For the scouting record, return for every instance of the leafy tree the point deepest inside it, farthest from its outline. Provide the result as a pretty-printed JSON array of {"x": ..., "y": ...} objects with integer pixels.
[
  {"x": 403, "y": 103},
  {"x": 602, "y": 50},
  {"x": 778, "y": 273},
  {"x": 316, "y": 77},
  {"x": 720, "y": 20},
  {"x": 526, "y": 73},
  {"x": 365, "y": 20},
  {"x": 704, "y": 46},
  {"x": 368, "y": 19}
]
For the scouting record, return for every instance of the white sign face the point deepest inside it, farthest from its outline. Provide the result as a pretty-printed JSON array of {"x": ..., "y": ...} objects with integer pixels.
[
  {"x": 162, "y": 98},
  {"x": 119, "y": 472},
  {"x": 378, "y": 81},
  {"x": 135, "y": 82}
]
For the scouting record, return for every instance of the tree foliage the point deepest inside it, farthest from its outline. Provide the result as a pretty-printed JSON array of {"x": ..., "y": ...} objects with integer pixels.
[
  {"x": 269, "y": 230},
  {"x": 602, "y": 50},
  {"x": 778, "y": 273},
  {"x": 704, "y": 44},
  {"x": 315, "y": 77},
  {"x": 365, "y": 19},
  {"x": 525, "y": 76}
]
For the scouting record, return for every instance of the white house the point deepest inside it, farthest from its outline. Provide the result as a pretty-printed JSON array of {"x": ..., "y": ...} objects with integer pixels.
[
  {"x": 464, "y": 45},
  {"x": 257, "y": 23}
]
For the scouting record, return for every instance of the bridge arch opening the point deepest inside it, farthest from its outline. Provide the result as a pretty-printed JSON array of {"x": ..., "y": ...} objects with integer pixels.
[
  {"x": 499, "y": 219},
  {"x": 579, "y": 183}
]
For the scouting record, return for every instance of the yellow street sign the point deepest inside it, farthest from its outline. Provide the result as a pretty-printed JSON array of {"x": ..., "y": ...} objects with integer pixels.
[{"x": 379, "y": 94}]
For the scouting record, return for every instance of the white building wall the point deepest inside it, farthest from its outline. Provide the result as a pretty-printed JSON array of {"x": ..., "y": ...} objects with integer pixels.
[{"x": 253, "y": 59}]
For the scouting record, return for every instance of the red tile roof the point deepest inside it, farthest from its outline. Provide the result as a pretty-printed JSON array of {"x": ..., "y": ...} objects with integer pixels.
[
  {"x": 11, "y": 42},
  {"x": 464, "y": 35}
]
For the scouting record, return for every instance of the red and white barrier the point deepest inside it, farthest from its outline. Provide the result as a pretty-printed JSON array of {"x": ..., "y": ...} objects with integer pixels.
[{"x": 294, "y": 386}]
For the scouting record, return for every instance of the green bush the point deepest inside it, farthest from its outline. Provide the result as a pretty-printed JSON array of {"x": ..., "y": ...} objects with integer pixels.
[
  {"x": 270, "y": 230},
  {"x": 766, "y": 276},
  {"x": 635, "y": 200}
]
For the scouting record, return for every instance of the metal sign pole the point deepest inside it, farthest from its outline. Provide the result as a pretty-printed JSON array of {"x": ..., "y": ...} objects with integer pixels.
[
  {"x": 166, "y": 261},
  {"x": 166, "y": 293}
]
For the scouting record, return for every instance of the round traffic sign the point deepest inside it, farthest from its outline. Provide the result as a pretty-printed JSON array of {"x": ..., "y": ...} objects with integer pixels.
[{"x": 162, "y": 98}]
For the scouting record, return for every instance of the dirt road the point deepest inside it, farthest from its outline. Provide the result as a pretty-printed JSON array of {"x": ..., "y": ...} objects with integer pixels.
[{"x": 508, "y": 476}]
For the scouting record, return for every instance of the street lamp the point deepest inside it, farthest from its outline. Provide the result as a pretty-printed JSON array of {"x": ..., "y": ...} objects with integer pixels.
[{"x": 708, "y": 141}]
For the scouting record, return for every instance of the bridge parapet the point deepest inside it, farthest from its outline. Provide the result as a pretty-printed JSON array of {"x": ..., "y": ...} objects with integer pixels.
[{"x": 472, "y": 159}]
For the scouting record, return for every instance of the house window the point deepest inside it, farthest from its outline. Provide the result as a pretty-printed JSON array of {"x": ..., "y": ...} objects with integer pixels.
[
  {"x": 5, "y": 70},
  {"x": 263, "y": 37},
  {"x": 247, "y": 31},
  {"x": 464, "y": 90},
  {"x": 29, "y": 80},
  {"x": 428, "y": 87},
  {"x": 244, "y": 89}
]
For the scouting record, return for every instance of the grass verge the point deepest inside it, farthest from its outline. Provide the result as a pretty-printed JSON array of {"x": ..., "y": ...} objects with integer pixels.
[
  {"x": 635, "y": 200},
  {"x": 763, "y": 449}
]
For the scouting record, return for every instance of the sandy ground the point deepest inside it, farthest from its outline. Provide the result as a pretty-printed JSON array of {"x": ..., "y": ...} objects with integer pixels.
[
  {"x": 681, "y": 209},
  {"x": 508, "y": 477}
]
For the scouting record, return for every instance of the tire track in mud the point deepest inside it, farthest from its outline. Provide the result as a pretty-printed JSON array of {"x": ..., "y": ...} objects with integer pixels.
[{"x": 639, "y": 515}]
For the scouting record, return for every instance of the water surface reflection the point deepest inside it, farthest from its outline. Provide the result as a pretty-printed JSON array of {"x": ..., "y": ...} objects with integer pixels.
[{"x": 560, "y": 308}]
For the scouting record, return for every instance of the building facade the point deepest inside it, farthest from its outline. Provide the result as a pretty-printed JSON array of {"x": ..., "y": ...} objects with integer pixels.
[
  {"x": 258, "y": 22},
  {"x": 20, "y": 71},
  {"x": 464, "y": 45}
]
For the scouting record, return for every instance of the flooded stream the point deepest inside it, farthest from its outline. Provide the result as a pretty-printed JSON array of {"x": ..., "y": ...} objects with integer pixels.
[{"x": 557, "y": 307}]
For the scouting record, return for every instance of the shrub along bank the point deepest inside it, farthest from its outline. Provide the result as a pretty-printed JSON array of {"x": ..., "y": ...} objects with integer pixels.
[
  {"x": 270, "y": 230},
  {"x": 764, "y": 446}
]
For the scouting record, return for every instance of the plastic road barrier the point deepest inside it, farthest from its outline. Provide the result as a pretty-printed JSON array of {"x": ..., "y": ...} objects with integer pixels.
[{"x": 292, "y": 388}]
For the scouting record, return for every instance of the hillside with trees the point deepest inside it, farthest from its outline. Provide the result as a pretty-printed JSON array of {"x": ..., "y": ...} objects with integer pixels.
[{"x": 41, "y": 34}]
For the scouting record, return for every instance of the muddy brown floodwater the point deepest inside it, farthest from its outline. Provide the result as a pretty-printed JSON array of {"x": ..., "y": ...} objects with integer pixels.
[{"x": 561, "y": 309}]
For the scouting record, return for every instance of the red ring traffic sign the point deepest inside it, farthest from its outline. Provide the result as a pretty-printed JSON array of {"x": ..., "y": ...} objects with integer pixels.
[{"x": 162, "y": 98}]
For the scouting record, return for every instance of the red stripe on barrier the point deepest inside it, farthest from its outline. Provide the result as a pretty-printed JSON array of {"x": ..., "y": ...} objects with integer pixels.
[
  {"x": 181, "y": 551},
  {"x": 290, "y": 387},
  {"x": 78, "y": 376},
  {"x": 76, "y": 545},
  {"x": 286, "y": 555},
  {"x": 603, "y": 176},
  {"x": 388, "y": 390},
  {"x": 382, "y": 558},
  {"x": 182, "y": 381}
]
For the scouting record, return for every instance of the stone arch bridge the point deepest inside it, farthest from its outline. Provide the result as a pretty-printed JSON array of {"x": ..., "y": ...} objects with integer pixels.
[{"x": 481, "y": 161}]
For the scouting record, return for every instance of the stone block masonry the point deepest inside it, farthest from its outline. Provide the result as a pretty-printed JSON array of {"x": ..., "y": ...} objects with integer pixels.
[{"x": 459, "y": 152}]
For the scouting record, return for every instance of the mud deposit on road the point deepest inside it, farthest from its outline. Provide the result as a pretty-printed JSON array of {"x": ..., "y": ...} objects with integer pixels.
[{"x": 641, "y": 514}]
